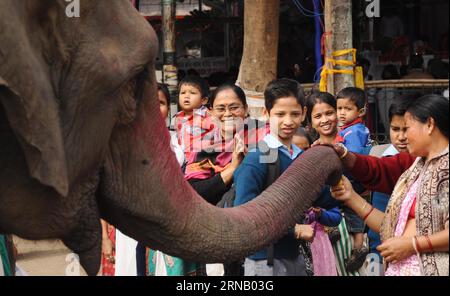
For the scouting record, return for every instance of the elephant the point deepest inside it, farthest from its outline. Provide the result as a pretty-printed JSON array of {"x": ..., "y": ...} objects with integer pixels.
[{"x": 82, "y": 138}]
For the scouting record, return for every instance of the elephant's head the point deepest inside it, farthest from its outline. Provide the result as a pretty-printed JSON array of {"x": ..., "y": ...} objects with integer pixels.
[{"x": 81, "y": 138}]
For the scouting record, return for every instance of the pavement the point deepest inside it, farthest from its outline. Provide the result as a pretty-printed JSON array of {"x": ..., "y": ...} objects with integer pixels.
[{"x": 46, "y": 258}]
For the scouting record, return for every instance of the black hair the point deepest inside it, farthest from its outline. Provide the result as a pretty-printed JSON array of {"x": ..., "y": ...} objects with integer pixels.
[
  {"x": 236, "y": 89},
  {"x": 282, "y": 88},
  {"x": 197, "y": 82},
  {"x": 416, "y": 61},
  {"x": 401, "y": 103},
  {"x": 302, "y": 132},
  {"x": 431, "y": 106},
  {"x": 355, "y": 94},
  {"x": 316, "y": 98},
  {"x": 165, "y": 90}
]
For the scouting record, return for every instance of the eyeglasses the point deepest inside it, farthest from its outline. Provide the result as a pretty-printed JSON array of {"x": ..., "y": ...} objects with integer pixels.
[{"x": 232, "y": 108}]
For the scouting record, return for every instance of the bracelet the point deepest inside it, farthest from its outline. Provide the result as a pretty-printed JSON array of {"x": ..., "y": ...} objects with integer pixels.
[
  {"x": 364, "y": 207},
  {"x": 419, "y": 249},
  {"x": 430, "y": 245},
  {"x": 345, "y": 152},
  {"x": 414, "y": 243},
  {"x": 368, "y": 214}
]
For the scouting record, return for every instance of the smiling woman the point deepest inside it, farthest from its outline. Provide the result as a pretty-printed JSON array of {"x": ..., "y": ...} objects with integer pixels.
[
  {"x": 414, "y": 228},
  {"x": 322, "y": 115},
  {"x": 210, "y": 171}
]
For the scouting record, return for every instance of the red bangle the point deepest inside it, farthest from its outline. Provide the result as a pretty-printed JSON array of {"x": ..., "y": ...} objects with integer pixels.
[
  {"x": 430, "y": 245},
  {"x": 368, "y": 214},
  {"x": 419, "y": 249}
]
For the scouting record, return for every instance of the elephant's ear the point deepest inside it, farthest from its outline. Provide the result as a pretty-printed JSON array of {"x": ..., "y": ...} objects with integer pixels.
[
  {"x": 34, "y": 119},
  {"x": 29, "y": 97}
]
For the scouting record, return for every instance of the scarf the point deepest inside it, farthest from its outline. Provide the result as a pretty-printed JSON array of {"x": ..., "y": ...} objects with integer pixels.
[
  {"x": 215, "y": 153},
  {"x": 431, "y": 207}
]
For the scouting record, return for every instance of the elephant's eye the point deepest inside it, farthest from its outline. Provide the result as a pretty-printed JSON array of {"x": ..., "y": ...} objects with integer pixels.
[
  {"x": 139, "y": 82},
  {"x": 131, "y": 95}
]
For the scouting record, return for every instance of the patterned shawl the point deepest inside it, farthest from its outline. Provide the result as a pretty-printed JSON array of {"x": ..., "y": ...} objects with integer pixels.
[
  {"x": 214, "y": 153},
  {"x": 431, "y": 208}
]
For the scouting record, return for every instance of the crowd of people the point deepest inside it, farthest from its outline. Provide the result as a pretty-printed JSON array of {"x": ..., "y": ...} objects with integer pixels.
[{"x": 388, "y": 215}]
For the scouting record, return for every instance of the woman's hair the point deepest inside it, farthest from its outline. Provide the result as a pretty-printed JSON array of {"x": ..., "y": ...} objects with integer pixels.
[
  {"x": 236, "y": 89},
  {"x": 163, "y": 88},
  {"x": 431, "y": 106},
  {"x": 317, "y": 98},
  {"x": 401, "y": 103}
]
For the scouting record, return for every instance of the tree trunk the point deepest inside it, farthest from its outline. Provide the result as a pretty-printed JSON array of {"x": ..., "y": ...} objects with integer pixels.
[
  {"x": 259, "y": 58},
  {"x": 338, "y": 25}
]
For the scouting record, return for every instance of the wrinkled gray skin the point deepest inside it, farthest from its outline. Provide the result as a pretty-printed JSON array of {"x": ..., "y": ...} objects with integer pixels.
[{"x": 81, "y": 137}]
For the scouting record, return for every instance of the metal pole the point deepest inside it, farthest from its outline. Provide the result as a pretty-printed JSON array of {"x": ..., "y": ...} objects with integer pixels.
[
  {"x": 169, "y": 49},
  {"x": 318, "y": 38}
]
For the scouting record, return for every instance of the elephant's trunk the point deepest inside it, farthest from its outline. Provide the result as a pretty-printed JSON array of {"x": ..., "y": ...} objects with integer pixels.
[{"x": 145, "y": 196}]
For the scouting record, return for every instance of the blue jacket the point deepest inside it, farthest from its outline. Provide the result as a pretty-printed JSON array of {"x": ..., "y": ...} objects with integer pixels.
[
  {"x": 330, "y": 218},
  {"x": 356, "y": 138},
  {"x": 249, "y": 180}
]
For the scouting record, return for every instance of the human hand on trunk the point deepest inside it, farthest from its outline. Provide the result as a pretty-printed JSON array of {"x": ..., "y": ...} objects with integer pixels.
[
  {"x": 348, "y": 158},
  {"x": 343, "y": 191}
]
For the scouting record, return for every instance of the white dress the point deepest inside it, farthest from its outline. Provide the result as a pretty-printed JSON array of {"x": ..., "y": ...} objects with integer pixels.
[
  {"x": 2, "y": 272},
  {"x": 125, "y": 255}
]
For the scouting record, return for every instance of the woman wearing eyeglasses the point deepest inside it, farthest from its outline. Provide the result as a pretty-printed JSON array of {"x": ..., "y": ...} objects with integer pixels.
[
  {"x": 210, "y": 168},
  {"x": 214, "y": 159}
]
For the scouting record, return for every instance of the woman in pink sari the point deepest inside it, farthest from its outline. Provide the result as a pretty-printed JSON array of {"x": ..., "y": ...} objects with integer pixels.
[{"x": 414, "y": 229}]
